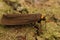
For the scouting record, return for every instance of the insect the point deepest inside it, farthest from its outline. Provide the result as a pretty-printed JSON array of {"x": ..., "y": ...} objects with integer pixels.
[{"x": 20, "y": 19}]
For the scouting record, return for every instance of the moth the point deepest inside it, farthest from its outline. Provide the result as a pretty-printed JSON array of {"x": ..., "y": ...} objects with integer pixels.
[{"x": 20, "y": 19}]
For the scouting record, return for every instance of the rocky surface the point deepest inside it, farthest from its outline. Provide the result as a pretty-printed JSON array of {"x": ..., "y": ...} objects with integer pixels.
[{"x": 48, "y": 29}]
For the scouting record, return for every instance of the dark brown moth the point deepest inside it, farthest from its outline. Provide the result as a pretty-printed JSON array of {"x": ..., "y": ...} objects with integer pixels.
[{"x": 19, "y": 19}]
